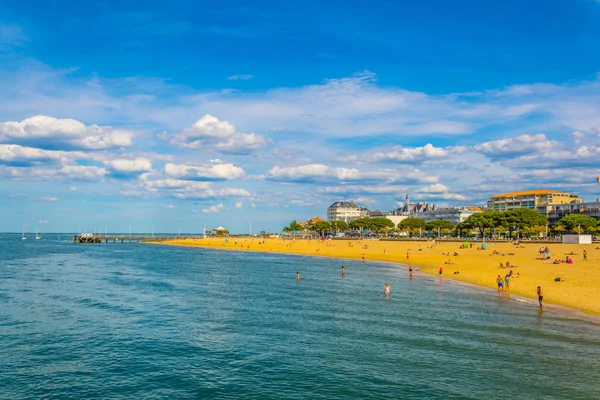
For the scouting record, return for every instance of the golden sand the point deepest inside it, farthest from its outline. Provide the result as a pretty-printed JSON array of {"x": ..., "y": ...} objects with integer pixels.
[{"x": 579, "y": 286}]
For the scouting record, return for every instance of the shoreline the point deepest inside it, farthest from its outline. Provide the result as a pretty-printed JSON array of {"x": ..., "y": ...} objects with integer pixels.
[{"x": 578, "y": 291}]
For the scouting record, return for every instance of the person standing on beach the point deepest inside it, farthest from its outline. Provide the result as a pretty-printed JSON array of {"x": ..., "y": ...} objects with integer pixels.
[
  {"x": 407, "y": 255},
  {"x": 507, "y": 282},
  {"x": 540, "y": 294},
  {"x": 585, "y": 255},
  {"x": 500, "y": 284},
  {"x": 342, "y": 271},
  {"x": 363, "y": 257},
  {"x": 441, "y": 270},
  {"x": 410, "y": 270},
  {"x": 297, "y": 276}
]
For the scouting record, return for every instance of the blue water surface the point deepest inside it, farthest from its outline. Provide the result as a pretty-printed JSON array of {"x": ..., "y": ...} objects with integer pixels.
[{"x": 137, "y": 321}]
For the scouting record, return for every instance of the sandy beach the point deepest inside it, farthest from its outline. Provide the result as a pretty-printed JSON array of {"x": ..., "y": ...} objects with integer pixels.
[{"x": 578, "y": 288}]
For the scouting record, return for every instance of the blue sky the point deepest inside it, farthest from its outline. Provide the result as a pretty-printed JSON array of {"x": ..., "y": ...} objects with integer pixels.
[{"x": 160, "y": 117}]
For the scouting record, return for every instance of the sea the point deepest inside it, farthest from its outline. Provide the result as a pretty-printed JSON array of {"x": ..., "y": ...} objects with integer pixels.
[{"x": 140, "y": 321}]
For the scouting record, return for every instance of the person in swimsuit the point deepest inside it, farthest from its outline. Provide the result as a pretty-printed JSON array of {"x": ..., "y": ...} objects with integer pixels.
[
  {"x": 297, "y": 276},
  {"x": 540, "y": 294},
  {"x": 585, "y": 255},
  {"x": 410, "y": 269},
  {"x": 342, "y": 271},
  {"x": 507, "y": 282},
  {"x": 500, "y": 284},
  {"x": 363, "y": 257},
  {"x": 386, "y": 290},
  {"x": 441, "y": 270}
]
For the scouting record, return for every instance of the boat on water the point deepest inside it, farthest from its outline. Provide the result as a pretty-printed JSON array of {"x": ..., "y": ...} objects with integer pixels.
[
  {"x": 37, "y": 236},
  {"x": 23, "y": 235}
]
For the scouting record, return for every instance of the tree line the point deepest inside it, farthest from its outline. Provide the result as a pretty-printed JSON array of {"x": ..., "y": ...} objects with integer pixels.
[{"x": 518, "y": 222}]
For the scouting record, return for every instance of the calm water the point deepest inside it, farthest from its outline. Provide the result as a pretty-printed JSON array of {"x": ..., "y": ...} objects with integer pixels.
[{"x": 134, "y": 321}]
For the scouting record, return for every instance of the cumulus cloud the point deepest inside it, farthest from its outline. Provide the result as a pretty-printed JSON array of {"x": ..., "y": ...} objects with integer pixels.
[
  {"x": 410, "y": 154},
  {"x": 514, "y": 147},
  {"x": 12, "y": 154},
  {"x": 209, "y": 133},
  {"x": 126, "y": 167},
  {"x": 213, "y": 209},
  {"x": 180, "y": 188},
  {"x": 215, "y": 171},
  {"x": 324, "y": 173},
  {"x": 53, "y": 133},
  {"x": 238, "y": 204}
]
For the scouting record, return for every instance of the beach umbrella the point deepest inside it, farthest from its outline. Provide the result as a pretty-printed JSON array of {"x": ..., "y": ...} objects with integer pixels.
[{"x": 465, "y": 243}]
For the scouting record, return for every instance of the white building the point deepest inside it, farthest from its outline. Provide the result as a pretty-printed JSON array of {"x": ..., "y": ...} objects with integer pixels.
[
  {"x": 344, "y": 211},
  {"x": 454, "y": 214}
]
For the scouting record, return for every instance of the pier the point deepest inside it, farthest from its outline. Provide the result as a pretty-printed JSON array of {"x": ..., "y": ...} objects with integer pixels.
[{"x": 91, "y": 238}]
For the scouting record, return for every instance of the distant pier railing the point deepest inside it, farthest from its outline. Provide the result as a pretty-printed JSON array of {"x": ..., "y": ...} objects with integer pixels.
[{"x": 87, "y": 238}]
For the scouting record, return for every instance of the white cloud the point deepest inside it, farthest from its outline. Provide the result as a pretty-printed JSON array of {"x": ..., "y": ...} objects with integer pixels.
[
  {"x": 520, "y": 145},
  {"x": 48, "y": 198},
  {"x": 521, "y": 109},
  {"x": 410, "y": 154},
  {"x": 42, "y": 221},
  {"x": 209, "y": 172},
  {"x": 52, "y": 133},
  {"x": 320, "y": 173},
  {"x": 73, "y": 188},
  {"x": 252, "y": 205},
  {"x": 238, "y": 204},
  {"x": 125, "y": 166},
  {"x": 209, "y": 133},
  {"x": 213, "y": 209},
  {"x": 242, "y": 77},
  {"x": 180, "y": 189},
  {"x": 13, "y": 154},
  {"x": 170, "y": 206},
  {"x": 80, "y": 172}
]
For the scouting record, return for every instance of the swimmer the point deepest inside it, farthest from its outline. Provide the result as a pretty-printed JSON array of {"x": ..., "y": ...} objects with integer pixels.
[
  {"x": 386, "y": 289},
  {"x": 540, "y": 294},
  {"x": 297, "y": 276}
]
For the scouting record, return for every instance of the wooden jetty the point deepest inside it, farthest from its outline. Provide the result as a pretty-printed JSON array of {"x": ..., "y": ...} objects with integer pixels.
[{"x": 90, "y": 238}]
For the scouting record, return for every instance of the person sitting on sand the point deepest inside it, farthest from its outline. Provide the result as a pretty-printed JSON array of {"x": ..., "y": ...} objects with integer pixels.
[
  {"x": 455, "y": 254},
  {"x": 570, "y": 261},
  {"x": 508, "y": 265},
  {"x": 501, "y": 265}
]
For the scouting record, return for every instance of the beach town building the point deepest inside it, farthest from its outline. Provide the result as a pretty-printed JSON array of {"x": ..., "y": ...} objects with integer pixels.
[
  {"x": 452, "y": 214},
  {"x": 557, "y": 211},
  {"x": 309, "y": 223},
  {"x": 345, "y": 211},
  {"x": 410, "y": 209},
  {"x": 538, "y": 200}
]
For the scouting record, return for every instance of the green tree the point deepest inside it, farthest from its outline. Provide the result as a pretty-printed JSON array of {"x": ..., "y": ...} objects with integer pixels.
[
  {"x": 411, "y": 225},
  {"x": 520, "y": 218},
  {"x": 574, "y": 221},
  {"x": 339, "y": 226},
  {"x": 321, "y": 227},
  {"x": 362, "y": 223},
  {"x": 439, "y": 225},
  {"x": 381, "y": 224},
  {"x": 481, "y": 221}
]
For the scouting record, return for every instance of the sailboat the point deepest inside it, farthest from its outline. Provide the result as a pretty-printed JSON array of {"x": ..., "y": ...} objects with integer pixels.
[
  {"x": 23, "y": 236},
  {"x": 37, "y": 237}
]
